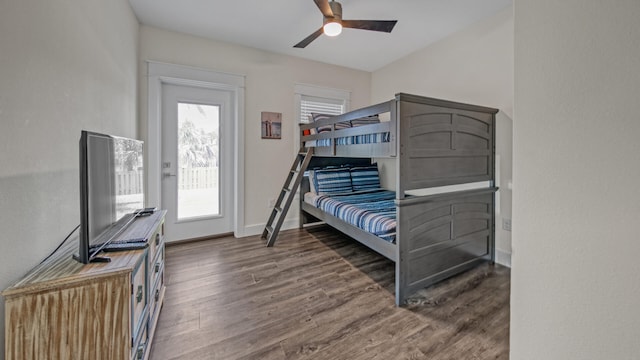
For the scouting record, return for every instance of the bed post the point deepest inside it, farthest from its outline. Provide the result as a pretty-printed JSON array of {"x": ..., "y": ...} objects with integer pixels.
[
  {"x": 402, "y": 263},
  {"x": 397, "y": 133}
]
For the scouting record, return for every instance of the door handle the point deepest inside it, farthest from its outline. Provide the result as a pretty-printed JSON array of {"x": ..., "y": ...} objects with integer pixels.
[{"x": 166, "y": 175}]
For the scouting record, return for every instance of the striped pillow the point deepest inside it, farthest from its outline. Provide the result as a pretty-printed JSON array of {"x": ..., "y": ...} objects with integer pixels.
[
  {"x": 317, "y": 117},
  {"x": 365, "y": 177},
  {"x": 331, "y": 181},
  {"x": 373, "y": 119}
]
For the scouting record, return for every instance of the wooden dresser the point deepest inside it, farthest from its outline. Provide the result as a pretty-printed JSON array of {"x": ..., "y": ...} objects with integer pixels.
[{"x": 63, "y": 309}]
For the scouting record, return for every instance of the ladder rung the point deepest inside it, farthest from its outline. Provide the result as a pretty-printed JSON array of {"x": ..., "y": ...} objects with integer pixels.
[
  {"x": 286, "y": 190},
  {"x": 301, "y": 154},
  {"x": 269, "y": 229},
  {"x": 278, "y": 209}
]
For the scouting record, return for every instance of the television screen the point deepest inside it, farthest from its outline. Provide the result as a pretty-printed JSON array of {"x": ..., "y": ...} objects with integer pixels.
[{"x": 111, "y": 188}]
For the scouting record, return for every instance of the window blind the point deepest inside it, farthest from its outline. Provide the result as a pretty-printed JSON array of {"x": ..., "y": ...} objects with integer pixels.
[{"x": 312, "y": 104}]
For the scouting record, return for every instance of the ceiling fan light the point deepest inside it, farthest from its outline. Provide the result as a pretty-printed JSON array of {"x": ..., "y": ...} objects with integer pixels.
[{"x": 332, "y": 28}]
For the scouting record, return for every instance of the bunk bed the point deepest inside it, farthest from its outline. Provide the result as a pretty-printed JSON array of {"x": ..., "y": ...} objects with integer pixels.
[{"x": 433, "y": 143}]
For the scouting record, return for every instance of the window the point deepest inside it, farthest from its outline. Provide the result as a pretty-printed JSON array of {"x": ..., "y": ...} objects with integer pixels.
[
  {"x": 316, "y": 99},
  {"x": 312, "y": 104}
]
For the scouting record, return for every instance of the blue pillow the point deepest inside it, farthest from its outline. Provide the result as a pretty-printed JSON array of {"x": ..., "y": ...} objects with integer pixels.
[
  {"x": 331, "y": 181},
  {"x": 365, "y": 177}
]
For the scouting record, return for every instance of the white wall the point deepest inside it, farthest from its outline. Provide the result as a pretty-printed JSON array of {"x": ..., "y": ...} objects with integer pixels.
[
  {"x": 576, "y": 275},
  {"x": 270, "y": 80},
  {"x": 65, "y": 65},
  {"x": 473, "y": 66}
]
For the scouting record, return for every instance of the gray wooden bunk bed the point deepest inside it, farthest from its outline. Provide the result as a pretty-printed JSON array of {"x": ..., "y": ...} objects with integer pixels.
[{"x": 433, "y": 143}]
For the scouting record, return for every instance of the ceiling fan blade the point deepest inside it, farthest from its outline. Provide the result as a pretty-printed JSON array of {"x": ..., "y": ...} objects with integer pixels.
[
  {"x": 374, "y": 25},
  {"x": 308, "y": 39},
  {"x": 324, "y": 7}
]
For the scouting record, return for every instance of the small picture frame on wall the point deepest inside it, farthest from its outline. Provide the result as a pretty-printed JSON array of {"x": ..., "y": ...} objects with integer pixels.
[{"x": 271, "y": 123}]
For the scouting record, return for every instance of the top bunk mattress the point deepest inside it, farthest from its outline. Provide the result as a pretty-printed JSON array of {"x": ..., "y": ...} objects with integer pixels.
[
  {"x": 351, "y": 140},
  {"x": 369, "y": 137},
  {"x": 373, "y": 211}
]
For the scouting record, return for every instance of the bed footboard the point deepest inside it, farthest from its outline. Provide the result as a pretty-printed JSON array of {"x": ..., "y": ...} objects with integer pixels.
[{"x": 442, "y": 235}]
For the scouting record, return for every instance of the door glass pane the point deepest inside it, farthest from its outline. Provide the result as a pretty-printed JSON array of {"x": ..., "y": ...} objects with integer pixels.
[{"x": 198, "y": 154}]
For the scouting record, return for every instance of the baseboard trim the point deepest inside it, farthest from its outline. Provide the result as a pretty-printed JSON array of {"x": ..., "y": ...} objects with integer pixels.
[
  {"x": 202, "y": 238},
  {"x": 503, "y": 258},
  {"x": 257, "y": 229}
]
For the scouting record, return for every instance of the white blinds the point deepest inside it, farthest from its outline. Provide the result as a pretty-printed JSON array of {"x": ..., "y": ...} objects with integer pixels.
[{"x": 312, "y": 104}]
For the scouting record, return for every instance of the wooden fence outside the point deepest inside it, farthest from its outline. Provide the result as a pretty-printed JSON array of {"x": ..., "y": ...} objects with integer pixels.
[{"x": 131, "y": 182}]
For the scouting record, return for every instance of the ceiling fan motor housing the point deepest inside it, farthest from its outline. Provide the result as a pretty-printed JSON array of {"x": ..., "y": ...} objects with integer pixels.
[{"x": 336, "y": 9}]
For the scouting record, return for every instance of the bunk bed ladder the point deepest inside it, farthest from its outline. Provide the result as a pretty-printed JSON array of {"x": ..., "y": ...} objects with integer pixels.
[{"x": 286, "y": 196}]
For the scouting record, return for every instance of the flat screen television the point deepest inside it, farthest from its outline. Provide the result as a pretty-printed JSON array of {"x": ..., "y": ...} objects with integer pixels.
[{"x": 111, "y": 189}]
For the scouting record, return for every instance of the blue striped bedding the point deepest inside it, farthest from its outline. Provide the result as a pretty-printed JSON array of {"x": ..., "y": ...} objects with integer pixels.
[
  {"x": 371, "y": 210},
  {"x": 356, "y": 139}
]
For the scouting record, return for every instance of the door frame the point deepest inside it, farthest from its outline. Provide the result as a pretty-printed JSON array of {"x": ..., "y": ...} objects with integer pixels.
[{"x": 159, "y": 74}]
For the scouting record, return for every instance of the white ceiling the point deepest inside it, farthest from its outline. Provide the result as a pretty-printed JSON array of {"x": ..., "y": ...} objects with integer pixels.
[{"x": 277, "y": 25}]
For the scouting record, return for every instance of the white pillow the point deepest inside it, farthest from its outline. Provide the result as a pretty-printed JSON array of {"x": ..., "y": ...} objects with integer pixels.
[{"x": 312, "y": 181}]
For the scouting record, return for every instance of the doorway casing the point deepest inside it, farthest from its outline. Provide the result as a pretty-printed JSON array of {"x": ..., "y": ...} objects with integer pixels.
[{"x": 159, "y": 74}]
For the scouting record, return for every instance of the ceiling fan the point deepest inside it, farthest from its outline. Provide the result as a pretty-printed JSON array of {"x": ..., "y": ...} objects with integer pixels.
[{"x": 333, "y": 23}]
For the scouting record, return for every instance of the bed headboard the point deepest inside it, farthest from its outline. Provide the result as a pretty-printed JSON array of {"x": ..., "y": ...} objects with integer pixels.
[{"x": 443, "y": 142}]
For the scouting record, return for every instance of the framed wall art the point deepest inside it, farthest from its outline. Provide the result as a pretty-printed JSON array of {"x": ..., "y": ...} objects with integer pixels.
[{"x": 271, "y": 125}]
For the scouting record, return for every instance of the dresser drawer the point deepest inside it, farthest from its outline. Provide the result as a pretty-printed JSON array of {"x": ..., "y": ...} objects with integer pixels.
[
  {"x": 139, "y": 349},
  {"x": 156, "y": 266},
  {"x": 155, "y": 241},
  {"x": 157, "y": 295},
  {"x": 139, "y": 295}
]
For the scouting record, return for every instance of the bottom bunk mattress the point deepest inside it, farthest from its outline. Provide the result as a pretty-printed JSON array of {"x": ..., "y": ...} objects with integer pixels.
[{"x": 371, "y": 210}]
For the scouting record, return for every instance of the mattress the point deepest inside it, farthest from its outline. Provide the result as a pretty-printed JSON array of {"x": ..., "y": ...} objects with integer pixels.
[
  {"x": 351, "y": 140},
  {"x": 373, "y": 211}
]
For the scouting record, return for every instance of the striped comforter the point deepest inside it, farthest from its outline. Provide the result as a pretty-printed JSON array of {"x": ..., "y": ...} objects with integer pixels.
[
  {"x": 371, "y": 210},
  {"x": 356, "y": 139}
]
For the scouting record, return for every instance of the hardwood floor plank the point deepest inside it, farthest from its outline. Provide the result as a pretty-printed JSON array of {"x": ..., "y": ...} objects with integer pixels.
[
  {"x": 319, "y": 295},
  {"x": 336, "y": 340},
  {"x": 273, "y": 352},
  {"x": 205, "y": 345}
]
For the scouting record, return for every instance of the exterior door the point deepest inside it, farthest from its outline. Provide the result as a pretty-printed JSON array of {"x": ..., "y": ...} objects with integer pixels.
[{"x": 197, "y": 162}]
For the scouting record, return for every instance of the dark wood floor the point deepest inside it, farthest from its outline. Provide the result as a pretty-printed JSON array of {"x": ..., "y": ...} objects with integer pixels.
[{"x": 320, "y": 295}]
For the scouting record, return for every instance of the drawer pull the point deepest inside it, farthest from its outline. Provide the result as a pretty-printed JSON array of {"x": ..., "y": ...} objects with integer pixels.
[
  {"x": 157, "y": 296},
  {"x": 157, "y": 239},
  {"x": 139, "y": 294}
]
